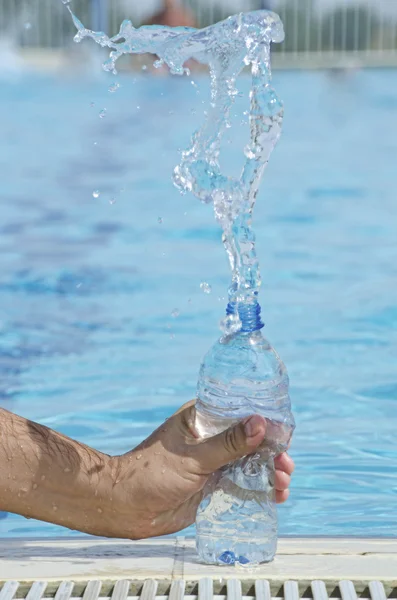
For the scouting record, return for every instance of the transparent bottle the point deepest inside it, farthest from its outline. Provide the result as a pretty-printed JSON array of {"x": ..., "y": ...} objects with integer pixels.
[{"x": 242, "y": 375}]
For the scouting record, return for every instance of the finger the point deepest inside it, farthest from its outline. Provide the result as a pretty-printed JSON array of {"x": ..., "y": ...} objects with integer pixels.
[
  {"x": 284, "y": 462},
  {"x": 234, "y": 443},
  {"x": 282, "y": 481},
  {"x": 282, "y": 497}
]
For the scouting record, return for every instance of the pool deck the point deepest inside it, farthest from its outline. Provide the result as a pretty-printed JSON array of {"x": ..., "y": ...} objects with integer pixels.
[{"x": 299, "y": 559}]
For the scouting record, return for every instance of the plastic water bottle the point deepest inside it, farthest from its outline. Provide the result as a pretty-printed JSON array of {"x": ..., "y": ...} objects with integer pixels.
[{"x": 242, "y": 375}]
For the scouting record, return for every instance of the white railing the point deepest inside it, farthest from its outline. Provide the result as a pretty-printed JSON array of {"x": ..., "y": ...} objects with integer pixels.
[{"x": 317, "y": 31}]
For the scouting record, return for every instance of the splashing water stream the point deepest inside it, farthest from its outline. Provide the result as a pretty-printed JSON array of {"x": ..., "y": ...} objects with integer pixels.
[{"x": 227, "y": 48}]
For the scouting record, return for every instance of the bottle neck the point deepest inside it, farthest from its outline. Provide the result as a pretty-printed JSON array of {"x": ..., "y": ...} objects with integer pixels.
[{"x": 249, "y": 314}]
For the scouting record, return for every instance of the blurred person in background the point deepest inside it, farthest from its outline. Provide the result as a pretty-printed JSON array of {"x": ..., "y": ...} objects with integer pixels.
[{"x": 173, "y": 14}]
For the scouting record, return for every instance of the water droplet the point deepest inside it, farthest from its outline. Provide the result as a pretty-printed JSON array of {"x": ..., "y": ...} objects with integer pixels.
[
  {"x": 102, "y": 113},
  {"x": 79, "y": 285},
  {"x": 138, "y": 108},
  {"x": 66, "y": 1},
  {"x": 112, "y": 201},
  {"x": 189, "y": 301},
  {"x": 35, "y": 486},
  {"x": 163, "y": 471},
  {"x": 96, "y": 493},
  {"x": 144, "y": 68},
  {"x": 100, "y": 510},
  {"x": 114, "y": 87},
  {"x": 92, "y": 104},
  {"x": 42, "y": 477},
  {"x": 175, "y": 313},
  {"x": 138, "y": 456},
  {"x": 95, "y": 143},
  {"x": 160, "y": 220},
  {"x": 67, "y": 470},
  {"x": 54, "y": 508},
  {"x": 27, "y": 26},
  {"x": 172, "y": 336},
  {"x": 171, "y": 112},
  {"x": 206, "y": 287},
  {"x": 122, "y": 191},
  {"x": 96, "y": 193}
]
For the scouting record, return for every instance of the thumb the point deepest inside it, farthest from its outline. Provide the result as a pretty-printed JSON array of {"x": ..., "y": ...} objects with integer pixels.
[{"x": 236, "y": 442}]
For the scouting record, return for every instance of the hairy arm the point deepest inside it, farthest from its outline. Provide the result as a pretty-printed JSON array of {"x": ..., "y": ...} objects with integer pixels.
[
  {"x": 45, "y": 475},
  {"x": 153, "y": 490}
]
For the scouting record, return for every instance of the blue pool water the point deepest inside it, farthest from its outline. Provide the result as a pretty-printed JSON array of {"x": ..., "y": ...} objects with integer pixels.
[{"x": 88, "y": 342}]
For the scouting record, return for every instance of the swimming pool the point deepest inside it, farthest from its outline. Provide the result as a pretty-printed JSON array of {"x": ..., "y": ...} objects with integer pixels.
[{"x": 104, "y": 323}]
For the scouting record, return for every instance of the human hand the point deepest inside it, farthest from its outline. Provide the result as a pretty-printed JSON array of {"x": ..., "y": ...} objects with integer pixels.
[{"x": 158, "y": 486}]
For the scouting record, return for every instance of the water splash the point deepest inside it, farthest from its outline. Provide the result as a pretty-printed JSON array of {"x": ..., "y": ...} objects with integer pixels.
[{"x": 227, "y": 48}]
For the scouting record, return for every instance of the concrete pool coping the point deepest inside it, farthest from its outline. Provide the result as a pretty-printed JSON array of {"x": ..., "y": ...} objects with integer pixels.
[{"x": 302, "y": 560}]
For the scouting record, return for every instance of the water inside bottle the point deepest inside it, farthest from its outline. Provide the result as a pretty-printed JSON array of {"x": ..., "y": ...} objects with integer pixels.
[{"x": 237, "y": 519}]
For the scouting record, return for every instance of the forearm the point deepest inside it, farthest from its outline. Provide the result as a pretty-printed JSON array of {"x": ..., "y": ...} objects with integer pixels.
[{"x": 47, "y": 476}]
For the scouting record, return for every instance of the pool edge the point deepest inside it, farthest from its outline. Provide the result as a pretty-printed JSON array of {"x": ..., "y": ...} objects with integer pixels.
[{"x": 360, "y": 560}]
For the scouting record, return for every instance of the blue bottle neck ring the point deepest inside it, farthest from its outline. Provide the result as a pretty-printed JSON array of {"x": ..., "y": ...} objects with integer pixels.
[{"x": 250, "y": 315}]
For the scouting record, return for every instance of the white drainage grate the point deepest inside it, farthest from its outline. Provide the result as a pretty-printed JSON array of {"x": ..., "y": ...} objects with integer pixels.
[{"x": 203, "y": 589}]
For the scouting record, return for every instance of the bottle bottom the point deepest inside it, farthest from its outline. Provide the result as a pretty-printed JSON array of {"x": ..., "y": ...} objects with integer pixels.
[
  {"x": 238, "y": 528},
  {"x": 225, "y": 551}
]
